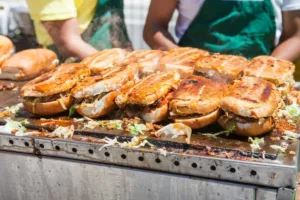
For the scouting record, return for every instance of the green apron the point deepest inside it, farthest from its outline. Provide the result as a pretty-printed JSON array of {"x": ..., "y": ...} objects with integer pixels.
[
  {"x": 238, "y": 27},
  {"x": 107, "y": 28}
]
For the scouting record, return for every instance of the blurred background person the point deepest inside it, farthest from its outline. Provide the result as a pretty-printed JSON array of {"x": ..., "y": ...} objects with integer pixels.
[
  {"x": 247, "y": 28},
  {"x": 78, "y": 28}
]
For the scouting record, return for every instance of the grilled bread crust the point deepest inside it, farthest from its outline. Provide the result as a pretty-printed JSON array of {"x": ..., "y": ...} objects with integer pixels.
[
  {"x": 146, "y": 59},
  {"x": 105, "y": 59},
  {"x": 196, "y": 95},
  {"x": 200, "y": 121},
  {"x": 28, "y": 64},
  {"x": 271, "y": 69},
  {"x": 95, "y": 85},
  {"x": 63, "y": 78},
  {"x": 150, "y": 89},
  {"x": 247, "y": 129},
  {"x": 181, "y": 60},
  {"x": 98, "y": 108},
  {"x": 222, "y": 68},
  {"x": 48, "y": 108},
  {"x": 6, "y": 50},
  {"x": 251, "y": 97}
]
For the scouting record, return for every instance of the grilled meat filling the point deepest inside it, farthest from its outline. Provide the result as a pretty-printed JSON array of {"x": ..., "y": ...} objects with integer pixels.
[
  {"x": 189, "y": 116},
  {"x": 241, "y": 119},
  {"x": 47, "y": 98},
  {"x": 90, "y": 99}
]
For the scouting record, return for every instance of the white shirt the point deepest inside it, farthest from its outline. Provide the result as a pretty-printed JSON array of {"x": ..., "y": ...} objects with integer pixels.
[{"x": 188, "y": 9}]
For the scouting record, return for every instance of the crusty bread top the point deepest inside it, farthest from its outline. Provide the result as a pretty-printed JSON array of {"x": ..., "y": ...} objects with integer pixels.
[
  {"x": 251, "y": 97},
  {"x": 105, "y": 59},
  {"x": 229, "y": 65},
  {"x": 63, "y": 78},
  {"x": 152, "y": 88},
  {"x": 29, "y": 63},
  {"x": 196, "y": 95},
  {"x": 184, "y": 56},
  {"x": 269, "y": 68},
  {"x": 94, "y": 85},
  {"x": 143, "y": 56},
  {"x": 6, "y": 48}
]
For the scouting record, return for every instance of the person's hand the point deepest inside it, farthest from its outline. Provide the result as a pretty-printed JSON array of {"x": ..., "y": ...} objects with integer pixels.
[
  {"x": 66, "y": 36},
  {"x": 156, "y": 32},
  {"x": 289, "y": 47}
]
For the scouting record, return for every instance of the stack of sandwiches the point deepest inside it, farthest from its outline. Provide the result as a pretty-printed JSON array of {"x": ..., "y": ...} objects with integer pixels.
[{"x": 184, "y": 85}]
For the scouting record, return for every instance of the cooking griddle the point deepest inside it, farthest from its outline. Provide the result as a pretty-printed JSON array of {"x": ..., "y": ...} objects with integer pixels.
[{"x": 226, "y": 158}]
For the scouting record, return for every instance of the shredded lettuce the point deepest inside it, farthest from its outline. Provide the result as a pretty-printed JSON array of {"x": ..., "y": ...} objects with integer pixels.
[
  {"x": 72, "y": 111},
  {"x": 231, "y": 128},
  {"x": 175, "y": 130},
  {"x": 162, "y": 152},
  {"x": 64, "y": 132},
  {"x": 109, "y": 142},
  {"x": 290, "y": 135},
  {"x": 135, "y": 142},
  {"x": 136, "y": 129},
  {"x": 255, "y": 143},
  {"x": 14, "y": 109},
  {"x": 279, "y": 148},
  {"x": 12, "y": 125},
  {"x": 291, "y": 111}
]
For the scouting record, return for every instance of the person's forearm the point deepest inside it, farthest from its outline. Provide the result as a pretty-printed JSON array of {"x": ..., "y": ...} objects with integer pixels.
[
  {"x": 288, "y": 50},
  {"x": 75, "y": 48},
  {"x": 159, "y": 38}
]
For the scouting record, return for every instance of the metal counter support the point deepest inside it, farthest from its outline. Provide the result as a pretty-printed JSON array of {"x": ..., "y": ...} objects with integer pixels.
[
  {"x": 64, "y": 169},
  {"x": 47, "y": 178}
]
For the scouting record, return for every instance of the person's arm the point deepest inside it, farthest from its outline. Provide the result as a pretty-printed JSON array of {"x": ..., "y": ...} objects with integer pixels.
[
  {"x": 66, "y": 36},
  {"x": 156, "y": 32},
  {"x": 289, "y": 47}
]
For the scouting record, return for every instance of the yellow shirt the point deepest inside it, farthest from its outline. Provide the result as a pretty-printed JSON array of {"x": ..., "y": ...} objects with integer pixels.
[{"x": 49, "y": 10}]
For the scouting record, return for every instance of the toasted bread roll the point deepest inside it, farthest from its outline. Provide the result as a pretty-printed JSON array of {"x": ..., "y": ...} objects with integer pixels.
[
  {"x": 221, "y": 68},
  {"x": 49, "y": 93},
  {"x": 181, "y": 60},
  {"x": 197, "y": 95},
  {"x": 6, "y": 50},
  {"x": 105, "y": 59},
  {"x": 250, "y": 128},
  {"x": 251, "y": 97},
  {"x": 95, "y": 85},
  {"x": 200, "y": 121},
  {"x": 152, "y": 88},
  {"x": 147, "y": 60},
  {"x": 65, "y": 77},
  {"x": 279, "y": 72},
  {"x": 49, "y": 108},
  {"x": 28, "y": 64},
  {"x": 98, "y": 108}
]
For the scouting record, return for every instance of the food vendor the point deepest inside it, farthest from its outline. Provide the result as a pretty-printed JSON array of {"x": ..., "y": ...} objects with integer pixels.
[
  {"x": 249, "y": 28},
  {"x": 78, "y": 28}
]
